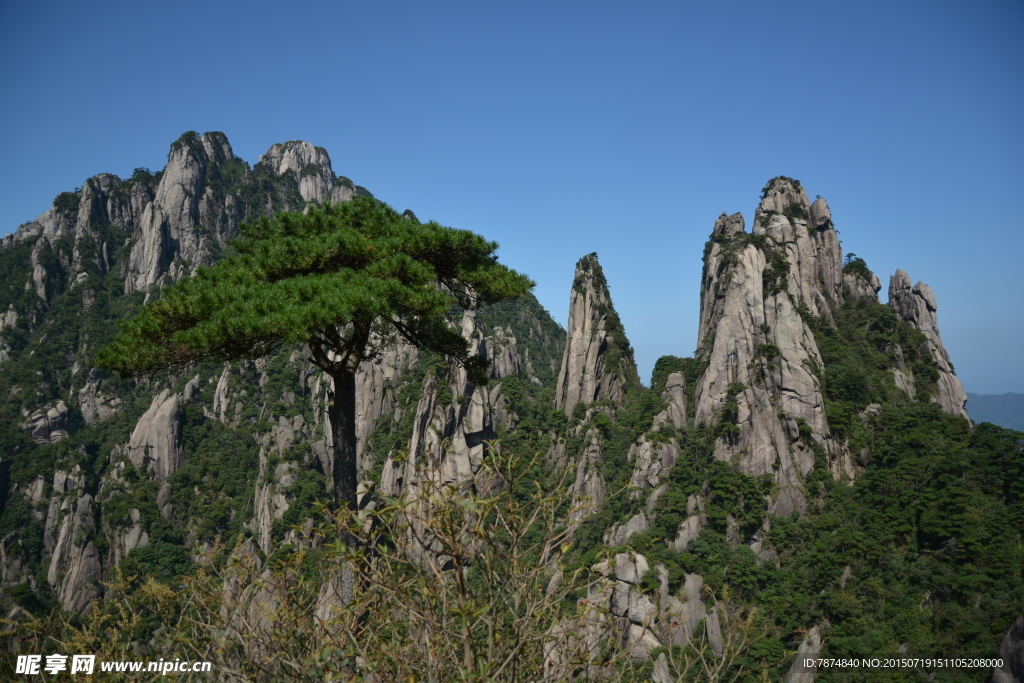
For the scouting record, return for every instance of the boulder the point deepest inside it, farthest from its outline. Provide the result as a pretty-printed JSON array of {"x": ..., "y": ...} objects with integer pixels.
[
  {"x": 653, "y": 460},
  {"x": 858, "y": 286}
]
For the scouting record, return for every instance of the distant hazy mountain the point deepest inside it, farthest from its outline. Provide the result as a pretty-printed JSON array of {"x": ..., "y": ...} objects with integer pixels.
[{"x": 1005, "y": 410}]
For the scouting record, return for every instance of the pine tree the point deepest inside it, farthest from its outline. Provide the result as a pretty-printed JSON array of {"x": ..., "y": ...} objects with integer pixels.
[{"x": 346, "y": 280}]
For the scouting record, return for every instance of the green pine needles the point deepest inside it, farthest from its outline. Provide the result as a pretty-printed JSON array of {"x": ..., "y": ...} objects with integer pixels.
[{"x": 347, "y": 280}]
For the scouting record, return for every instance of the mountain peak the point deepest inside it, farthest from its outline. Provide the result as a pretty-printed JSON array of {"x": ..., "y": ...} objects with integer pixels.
[
  {"x": 598, "y": 360},
  {"x": 784, "y": 195}
]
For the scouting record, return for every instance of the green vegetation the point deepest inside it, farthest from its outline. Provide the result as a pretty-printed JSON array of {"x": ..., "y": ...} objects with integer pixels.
[
  {"x": 797, "y": 211},
  {"x": 538, "y": 337},
  {"x": 188, "y": 141},
  {"x": 930, "y": 532},
  {"x": 776, "y": 272},
  {"x": 67, "y": 203},
  {"x": 854, "y": 264},
  {"x": 486, "y": 600}
]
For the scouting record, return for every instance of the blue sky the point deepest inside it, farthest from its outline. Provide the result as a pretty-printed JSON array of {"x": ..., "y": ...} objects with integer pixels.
[{"x": 560, "y": 129}]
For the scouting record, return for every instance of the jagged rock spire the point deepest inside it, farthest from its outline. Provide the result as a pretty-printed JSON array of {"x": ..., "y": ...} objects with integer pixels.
[
  {"x": 598, "y": 361},
  {"x": 916, "y": 305},
  {"x": 168, "y": 231},
  {"x": 760, "y": 384}
]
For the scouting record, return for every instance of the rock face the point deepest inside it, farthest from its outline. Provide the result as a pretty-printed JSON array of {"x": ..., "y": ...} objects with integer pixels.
[
  {"x": 589, "y": 489},
  {"x": 375, "y": 390},
  {"x": 150, "y": 230},
  {"x": 8, "y": 319},
  {"x": 597, "y": 365},
  {"x": 51, "y": 424},
  {"x": 598, "y": 360},
  {"x": 272, "y": 494},
  {"x": 95, "y": 405},
  {"x": 810, "y": 244},
  {"x": 760, "y": 383},
  {"x": 70, "y": 526},
  {"x": 810, "y": 646},
  {"x": 454, "y": 418},
  {"x": 175, "y": 220},
  {"x": 309, "y": 165},
  {"x": 14, "y": 562},
  {"x": 619, "y": 594},
  {"x": 690, "y": 527},
  {"x": 167, "y": 231},
  {"x": 653, "y": 461},
  {"x": 857, "y": 285},
  {"x": 916, "y": 305},
  {"x": 500, "y": 350},
  {"x": 77, "y": 218},
  {"x": 221, "y": 397},
  {"x": 654, "y": 458},
  {"x": 616, "y": 608},
  {"x": 155, "y": 445},
  {"x": 375, "y": 397},
  {"x": 674, "y": 396},
  {"x": 126, "y": 539}
]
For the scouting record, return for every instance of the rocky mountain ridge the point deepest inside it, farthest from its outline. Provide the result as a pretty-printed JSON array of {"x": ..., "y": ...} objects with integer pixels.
[
  {"x": 185, "y": 214},
  {"x": 770, "y": 417}
]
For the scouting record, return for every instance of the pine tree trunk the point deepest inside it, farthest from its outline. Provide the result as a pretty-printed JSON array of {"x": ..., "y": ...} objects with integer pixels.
[{"x": 342, "y": 412}]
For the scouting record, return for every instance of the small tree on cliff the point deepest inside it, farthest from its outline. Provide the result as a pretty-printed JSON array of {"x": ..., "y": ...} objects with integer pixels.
[{"x": 346, "y": 280}]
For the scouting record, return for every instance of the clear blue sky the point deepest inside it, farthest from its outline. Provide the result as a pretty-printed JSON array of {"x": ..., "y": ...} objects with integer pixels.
[{"x": 559, "y": 129}]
